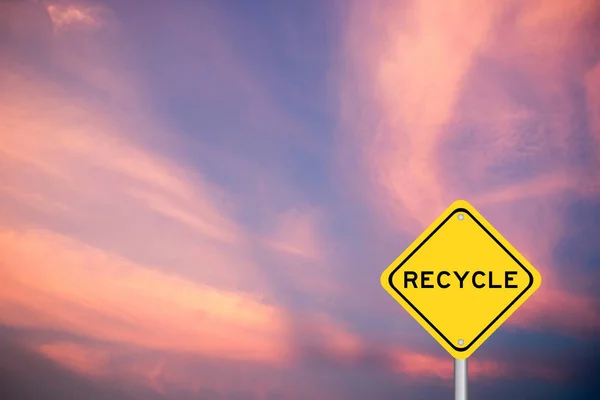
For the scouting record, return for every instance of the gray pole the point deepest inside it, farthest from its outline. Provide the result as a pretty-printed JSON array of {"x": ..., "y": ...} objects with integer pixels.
[{"x": 460, "y": 379}]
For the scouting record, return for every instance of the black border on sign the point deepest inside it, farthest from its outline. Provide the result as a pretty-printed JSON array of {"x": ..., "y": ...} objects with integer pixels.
[{"x": 464, "y": 348}]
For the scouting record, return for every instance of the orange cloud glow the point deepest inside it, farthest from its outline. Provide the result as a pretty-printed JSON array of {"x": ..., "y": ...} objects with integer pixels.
[
  {"x": 69, "y": 286},
  {"x": 81, "y": 359},
  {"x": 68, "y": 15}
]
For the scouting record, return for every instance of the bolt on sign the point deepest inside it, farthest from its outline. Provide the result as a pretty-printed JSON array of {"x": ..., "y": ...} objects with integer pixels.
[{"x": 461, "y": 279}]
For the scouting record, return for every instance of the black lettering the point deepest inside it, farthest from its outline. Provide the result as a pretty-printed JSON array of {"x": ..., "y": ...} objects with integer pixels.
[
  {"x": 412, "y": 278},
  {"x": 492, "y": 286},
  {"x": 439, "y": 279},
  {"x": 425, "y": 279},
  {"x": 508, "y": 278},
  {"x": 478, "y": 286},
  {"x": 461, "y": 279}
]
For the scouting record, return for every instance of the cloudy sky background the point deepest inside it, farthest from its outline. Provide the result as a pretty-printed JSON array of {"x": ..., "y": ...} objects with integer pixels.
[{"x": 197, "y": 198}]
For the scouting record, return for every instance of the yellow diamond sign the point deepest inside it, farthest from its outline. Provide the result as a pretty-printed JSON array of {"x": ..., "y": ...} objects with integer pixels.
[{"x": 460, "y": 279}]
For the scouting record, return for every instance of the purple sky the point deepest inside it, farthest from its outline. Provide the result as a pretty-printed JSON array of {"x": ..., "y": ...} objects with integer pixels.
[{"x": 197, "y": 198}]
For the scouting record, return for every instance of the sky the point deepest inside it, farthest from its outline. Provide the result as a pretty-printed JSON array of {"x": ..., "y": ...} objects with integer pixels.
[{"x": 197, "y": 198}]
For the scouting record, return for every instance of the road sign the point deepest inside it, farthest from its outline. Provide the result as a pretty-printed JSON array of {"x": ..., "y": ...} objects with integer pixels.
[{"x": 461, "y": 279}]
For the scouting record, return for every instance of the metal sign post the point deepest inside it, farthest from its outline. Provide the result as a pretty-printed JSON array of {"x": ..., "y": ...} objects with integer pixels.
[{"x": 460, "y": 379}]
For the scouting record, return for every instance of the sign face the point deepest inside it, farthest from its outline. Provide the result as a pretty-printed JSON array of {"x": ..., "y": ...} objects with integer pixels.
[{"x": 460, "y": 279}]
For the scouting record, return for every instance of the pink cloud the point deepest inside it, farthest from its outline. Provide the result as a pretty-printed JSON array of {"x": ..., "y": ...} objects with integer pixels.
[
  {"x": 552, "y": 307},
  {"x": 79, "y": 164},
  {"x": 302, "y": 253},
  {"x": 177, "y": 367},
  {"x": 106, "y": 363},
  {"x": 559, "y": 310},
  {"x": 77, "y": 16},
  {"x": 434, "y": 124},
  {"x": 592, "y": 84},
  {"x": 84, "y": 360},
  {"x": 106, "y": 238},
  {"x": 78, "y": 39},
  {"x": 419, "y": 365},
  {"x": 294, "y": 233},
  {"x": 72, "y": 287},
  {"x": 170, "y": 370},
  {"x": 67, "y": 15},
  {"x": 109, "y": 280},
  {"x": 74, "y": 164},
  {"x": 324, "y": 332},
  {"x": 413, "y": 71}
]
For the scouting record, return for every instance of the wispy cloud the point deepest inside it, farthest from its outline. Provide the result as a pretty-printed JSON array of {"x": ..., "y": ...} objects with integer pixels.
[
  {"x": 592, "y": 86},
  {"x": 413, "y": 59},
  {"x": 433, "y": 104},
  {"x": 109, "y": 240},
  {"x": 65, "y": 15},
  {"x": 162, "y": 228},
  {"x": 294, "y": 233},
  {"x": 72, "y": 287}
]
